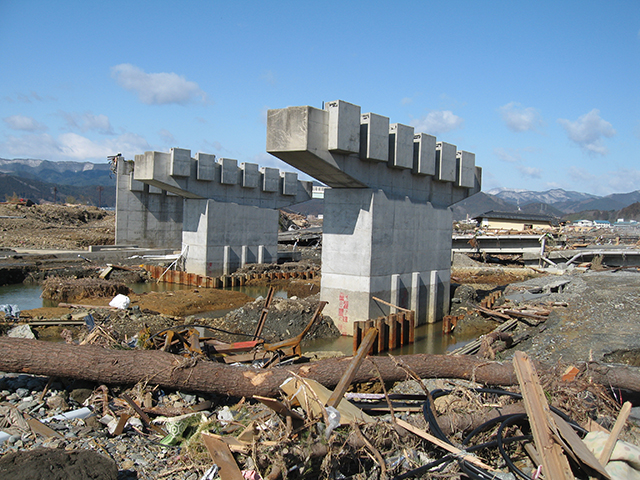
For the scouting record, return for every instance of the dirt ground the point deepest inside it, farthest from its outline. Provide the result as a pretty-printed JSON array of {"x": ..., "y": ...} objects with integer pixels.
[
  {"x": 596, "y": 318},
  {"x": 64, "y": 227}
]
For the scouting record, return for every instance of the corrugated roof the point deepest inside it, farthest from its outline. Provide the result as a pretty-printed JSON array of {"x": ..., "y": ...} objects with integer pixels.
[{"x": 517, "y": 216}]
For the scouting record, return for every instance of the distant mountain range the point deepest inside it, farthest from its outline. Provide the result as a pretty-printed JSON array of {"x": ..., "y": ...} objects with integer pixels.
[
  {"x": 559, "y": 203},
  {"x": 43, "y": 180}
]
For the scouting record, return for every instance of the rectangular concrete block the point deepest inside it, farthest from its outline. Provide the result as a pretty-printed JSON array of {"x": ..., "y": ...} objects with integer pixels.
[
  {"x": 374, "y": 137},
  {"x": 206, "y": 166},
  {"x": 310, "y": 132},
  {"x": 424, "y": 154},
  {"x": 229, "y": 174},
  {"x": 400, "y": 146},
  {"x": 135, "y": 185},
  {"x": 289, "y": 183},
  {"x": 465, "y": 169},
  {"x": 270, "y": 179},
  {"x": 477, "y": 183},
  {"x": 180, "y": 162},
  {"x": 154, "y": 190},
  {"x": 445, "y": 162},
  {"x": 250, "y": 175},
  {"x": 344, "y": 127}
]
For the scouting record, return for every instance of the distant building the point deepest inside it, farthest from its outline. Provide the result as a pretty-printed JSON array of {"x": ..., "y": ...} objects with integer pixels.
[
  {"x": 622, "y": 224},
  {"x": 602, "y": 224},
  {"x": 583, "y": 224},
  {"x": 517, "y": 221}
]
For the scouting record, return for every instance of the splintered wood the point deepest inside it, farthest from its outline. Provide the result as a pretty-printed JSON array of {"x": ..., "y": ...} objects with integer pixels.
[{"x": 554, "y": 463}]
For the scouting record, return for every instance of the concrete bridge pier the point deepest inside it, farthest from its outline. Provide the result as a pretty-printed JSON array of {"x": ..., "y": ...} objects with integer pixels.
[
  {"x": 387, "y": 219},
  {"x": 394, "y": 249}
]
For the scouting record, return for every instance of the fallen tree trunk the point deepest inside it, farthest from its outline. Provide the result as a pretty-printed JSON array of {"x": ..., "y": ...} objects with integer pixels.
[{"x": 126, "y": 367}]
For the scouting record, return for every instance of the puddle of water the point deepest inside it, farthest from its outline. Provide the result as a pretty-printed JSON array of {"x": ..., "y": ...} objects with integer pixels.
[
  {"x": 428, "y": 338},
  {"x": 25, "y": 297},
  {"x": 28, "y": 297}
]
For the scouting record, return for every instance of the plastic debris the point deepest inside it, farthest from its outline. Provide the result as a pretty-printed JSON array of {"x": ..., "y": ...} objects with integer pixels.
[
  {"x": 21, "y": 331},
  {"x": 11, "y": 311},
  {"x": 120, "y": 301}
]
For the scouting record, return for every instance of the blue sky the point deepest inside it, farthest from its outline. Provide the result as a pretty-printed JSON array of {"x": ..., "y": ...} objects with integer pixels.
[{"x": 545, "y": 93}]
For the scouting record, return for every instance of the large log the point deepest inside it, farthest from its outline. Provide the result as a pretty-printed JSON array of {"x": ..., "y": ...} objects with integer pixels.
[{"x": 126, "y": 367}]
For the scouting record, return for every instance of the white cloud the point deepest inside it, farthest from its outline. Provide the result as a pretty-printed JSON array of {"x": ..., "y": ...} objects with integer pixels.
[
  {"x": 507, "y": 155},
  {"x": 216, "y": 146},
  {"x": 406, "y": 101},
  {"x": 624, "y": 180},
  {"x": 27, "y": 124},
  {"x": 88, "y": 122},
  {"x": 588, "y": 131},
  {"x": 520, "y": 119},
  {"x": 157, "y": 88},
  {"x": 167, "y": 137},
  {"x": 514, "y": 156},
  {"x": 529, "y": 172},
  {"x": 269, "y": 77},
  {"x": 437, "y": 122},
  {"x": 604, "y": 183},
  {"x": 71, "y": 146},
  {"x": 27, "y": 98}
]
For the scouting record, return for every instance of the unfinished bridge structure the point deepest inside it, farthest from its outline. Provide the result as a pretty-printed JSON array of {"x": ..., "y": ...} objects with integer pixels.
[
  {"x": 220, "y": 214},
  {"x": 387, "y": 220}
]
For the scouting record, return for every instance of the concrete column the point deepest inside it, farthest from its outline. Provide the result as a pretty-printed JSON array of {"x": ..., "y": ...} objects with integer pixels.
[
  {"x": 395, "y": 292},
  {"x": 260, "y": 253},
  {"x": 418, "y": 297},
  {"x": 226, "y": 267},
  {"x": 244, "y": 256}
]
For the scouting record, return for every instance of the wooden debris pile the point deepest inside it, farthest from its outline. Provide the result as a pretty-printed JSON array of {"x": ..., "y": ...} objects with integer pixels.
[
  {"x": 314, "y": 432},
  {"x": 199, "y": 341}
]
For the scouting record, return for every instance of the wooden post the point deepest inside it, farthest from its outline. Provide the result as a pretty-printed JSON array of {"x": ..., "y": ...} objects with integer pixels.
[{"x": 350, "y": 372}]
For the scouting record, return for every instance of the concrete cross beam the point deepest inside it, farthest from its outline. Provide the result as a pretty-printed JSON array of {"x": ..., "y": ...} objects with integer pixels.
[
  {"x": 222, "y": 180},
  {"x": 344, "y": 148}
]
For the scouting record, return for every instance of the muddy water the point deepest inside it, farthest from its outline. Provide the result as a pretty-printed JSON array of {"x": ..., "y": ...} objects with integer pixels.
[{"x": 428, "y": 338}]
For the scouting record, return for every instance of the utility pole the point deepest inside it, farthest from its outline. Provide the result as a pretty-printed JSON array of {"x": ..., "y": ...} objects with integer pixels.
[
  {"x": 55, "y": 191},
  {"x": 100, "y": 189}
]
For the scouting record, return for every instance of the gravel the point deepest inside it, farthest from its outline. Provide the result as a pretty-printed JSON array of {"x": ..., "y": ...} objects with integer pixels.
[{"x": 601, "y": 321}]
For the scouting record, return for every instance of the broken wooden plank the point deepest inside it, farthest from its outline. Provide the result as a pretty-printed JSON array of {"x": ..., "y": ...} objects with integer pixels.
[
  {"x": 143, "y": 416},
  {"x": 264, "y": 313},
  {"x": 122, "y": 422},
  {"x": 448, "y": 447},
  {"x": 312, "y": 396},
  {"x": 615, "y": 432},
  {"x": 554, "y": 463},
  {"x": 581, "y": 452},
  {"x": 347, "y": 377},
  {"x": 279, "y": 407},
  {"x": 37, "y": 427},
  {"x": 222, "y": 456},
  {"x": 493, "y": 313},
  {"x": 390, "y": 304}
]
